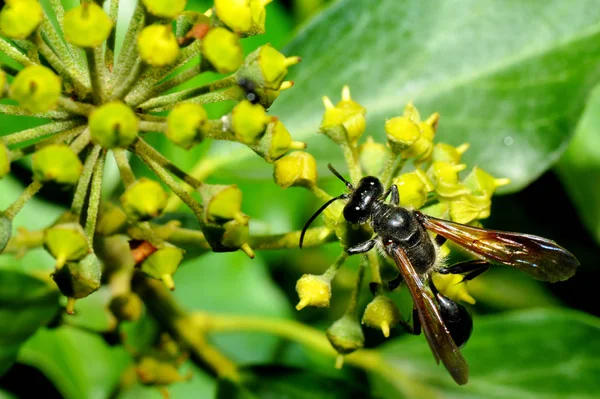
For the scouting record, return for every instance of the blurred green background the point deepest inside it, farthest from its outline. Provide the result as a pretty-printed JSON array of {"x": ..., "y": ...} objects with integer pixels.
[{"x": 514, "y": 79}]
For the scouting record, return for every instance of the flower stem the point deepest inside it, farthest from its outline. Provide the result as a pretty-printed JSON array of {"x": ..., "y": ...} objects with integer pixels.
[
  {"x": 141, "y": 148},
  {"x": 60, "y": 48},
  {"x": 166, "y": 178},
  {"x": 150, "y": 126},
  {"x": 165, "y": 86},
  {"x": 234, "y": 93},
  {"x": 314, "y": 237},
  {"x": 14, "y": 53},
  {"x": 40, "y": 131},
  {"x": 94, "y": 58},
  {"x": 25, "y": 196},
  {"x": 124, "y": 168},
  {"x": 375, "y": 267},
  {"x": 94, "y": 200},
  {"x": 351, "y": 158},
  {"x": 125, "y": 86},
  {"x": 16, "y": 110},
  {"x": 81, "y": 141},
  {"x": 75, "y": 107},
  {"x": 129, "y": 53},
  {"x": 162, "y": 306},
  {"x": 61, "y": 137},
  {"x": 189, "y": 93},
  {"x": 84, "y": 181},
  {"x": 394, "y": 164},
  {"x": 356, "y": 291}
]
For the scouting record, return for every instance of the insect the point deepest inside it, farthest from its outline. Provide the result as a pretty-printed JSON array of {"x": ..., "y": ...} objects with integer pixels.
[{"x": 403, "y": 235}]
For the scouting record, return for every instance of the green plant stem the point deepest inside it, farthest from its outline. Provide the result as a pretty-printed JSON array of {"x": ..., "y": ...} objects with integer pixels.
[
  {"x": 25, "y": 196},
  {"x": 29, "y": 48},
  {"x": 19, "y": 111},
  {"x": 120, "y": 91},
  {"x": 148, "y": 126},
  {"x": 373, "y": 260},
  {"x": 141, "y": 148},
  {"x": 153, "y": 75},
  {"x": 77, "y": 53},
  {"x": 320, "y": 193},
  {"x": 40, "y": 131},
  {"x": 75, "y": 107},
  {"x": 94, "y": 199},
  {"x": 352, "y": 305},
  {"x": 203, "y": 169},
  {"x": 14, "y": 53},
  {"x": 351, "y": 158},
  {"x": 124, "y": 168},
  {"x": 64, "y": 53},
  {"x": 151, "y": 118},
  {"x": 81, "y": 141},
  {"x": 94, "y": 59},
  {"x": 84, "y": 181},
  {"x": 394, "y": 164},
  {"x": 189, "y": 93},
  {"x": 113, "y": 13},
  {"x": 62, "y": 137},
  {"x": 234, "y": 93},
  {"x": 162, "y": 306},
  {"x": 335, "y": 266},
  {"x": 165, "y": 86},
  {"x": 314, "y": 237},
  {"x": 166, "y": 178},
  {"x": 129, "y": 53},
  {"x": 69, "y": 74}
]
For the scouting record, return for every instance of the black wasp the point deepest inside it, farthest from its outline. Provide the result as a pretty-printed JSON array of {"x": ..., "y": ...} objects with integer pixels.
[{"x": 402, "y": 234}]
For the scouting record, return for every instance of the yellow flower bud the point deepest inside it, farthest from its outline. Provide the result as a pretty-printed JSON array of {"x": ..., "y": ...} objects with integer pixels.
[
  {"x": 346, "y": 334},
  {"x": 126, "y": 307},
  {"x": 36, "y": 88},
  {"x": 2, "y": 82},
  {"x": 347, "y": 113},
  {"x": 446, "y": 179},
  {"x": 249, "y": 121},
  {"x": 246, "y": 17},
  {"x": 165, "y": 8},
  {"x": 162, "y": 264},
  {"x": 313, "y": 291},
  {"x": 157, "y": 45},
  {"x": 298, "y": 169},
  {"x": 276, "y": 142},
  {"x": 381, "y": 313},
  {"x": 267, "y": 68},
  {"x": 413, "y": 189},
  {"x": 20, "y": 18},
  {"x": 185, "y": 123},
  {"x": 222, "y": 49},
  {"x": 113, "y": 125},
  {"x": 66, "y": 242},
  {"x": 77, "y": 280},
  {"x": 221, "y": 203},
  {"x": 87, "y": 25},
  {"x": 467, "y": 208},
  {"x": 447, "y": 153},
  {"x": 143, "y": 200},
  {"x": 482, "y": 183},
  {"x": 57, "y": 163},
  {"x": 110, "y": 220},
  {"x": 373, "y": 156},
  {"x": 450, "y": 286},
  {"x": 401, "y": 132}
]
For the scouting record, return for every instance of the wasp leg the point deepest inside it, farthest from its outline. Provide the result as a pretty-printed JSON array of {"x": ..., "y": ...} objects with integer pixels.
[
  {"x": 393, "y": 284},
  {"x": 469, "y": 269},
  {"x": 362, "y": 247},
  {"x": 395, "y": 194}
]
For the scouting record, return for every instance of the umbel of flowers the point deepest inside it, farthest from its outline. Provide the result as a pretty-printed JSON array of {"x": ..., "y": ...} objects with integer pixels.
[
  {"x": 433, "y": 185},
  {"x": 95, "y": 103}
]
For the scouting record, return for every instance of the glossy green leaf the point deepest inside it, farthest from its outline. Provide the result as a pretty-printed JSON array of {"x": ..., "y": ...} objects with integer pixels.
[
  {"x": 511, "y": 78},
  {"x": 80, "y": 364},
  {"x": 92, "y": 313},
  {"x": 26, "y": 304},
  {"x": 527, "y": 354},
  {"x": 232, "y": 283},
  {"x": 272, "y": 382},
  {"x": 579, "y": 168}
]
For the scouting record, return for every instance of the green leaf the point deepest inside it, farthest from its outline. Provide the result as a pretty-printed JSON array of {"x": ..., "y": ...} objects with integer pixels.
[
  {"x": 80, "y": 364},
  {"x": 26, "y": 304},
  {"x": 511, "y": 78},
  {"x": 232, "y": 283},
  {"x": 272, "y": 382},
  {"x": 92, "y": 312},
  {"x": 579, "y": 168},
  {"x": 532, "y": 354}
]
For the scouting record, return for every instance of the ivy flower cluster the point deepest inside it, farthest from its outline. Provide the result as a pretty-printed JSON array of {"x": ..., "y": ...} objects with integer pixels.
[
  {"x": 94, "y": 103},
  {"x": 433, "y": 185}
]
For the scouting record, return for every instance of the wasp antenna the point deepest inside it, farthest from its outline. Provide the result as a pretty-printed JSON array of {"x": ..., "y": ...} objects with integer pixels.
[
  {"x": 337, "y": 174},
  {"x": 317, "y": 213}
]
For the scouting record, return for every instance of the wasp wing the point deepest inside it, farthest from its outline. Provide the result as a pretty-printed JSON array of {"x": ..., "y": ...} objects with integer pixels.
[
  {"x": 539, "y": 257},
  {"x": 438, "y": 337}
]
